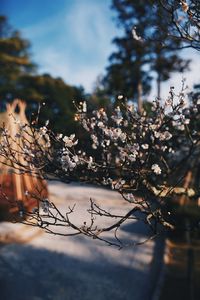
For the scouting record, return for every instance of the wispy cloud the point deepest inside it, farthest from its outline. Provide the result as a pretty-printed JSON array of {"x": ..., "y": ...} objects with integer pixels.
[
  {"x": 75, "y": 43},
  {"x": 58, "y": 65},
  {"x": 91, "y": 26}
]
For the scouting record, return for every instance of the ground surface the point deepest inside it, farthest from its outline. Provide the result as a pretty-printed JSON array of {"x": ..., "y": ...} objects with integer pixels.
[{"x": 38, "y": 266}]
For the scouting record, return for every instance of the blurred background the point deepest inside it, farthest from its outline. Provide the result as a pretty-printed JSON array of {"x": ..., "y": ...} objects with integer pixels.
[{"x": 62, "y": 51}]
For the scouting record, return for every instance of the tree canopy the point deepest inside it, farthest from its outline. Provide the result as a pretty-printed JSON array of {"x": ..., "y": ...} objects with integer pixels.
[
  {"x": 14, "y": 59},
  {"x": 144, "y": 49}
]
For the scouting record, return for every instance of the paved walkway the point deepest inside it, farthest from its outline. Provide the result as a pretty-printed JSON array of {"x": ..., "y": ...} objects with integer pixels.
[{"x": 46, "y": 267}]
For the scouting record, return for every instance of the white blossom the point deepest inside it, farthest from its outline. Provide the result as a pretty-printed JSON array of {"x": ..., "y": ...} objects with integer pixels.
[
  {"x": 84, "y": 107},
  {"x": 129, "y": 197},
  {"x": 187, "y": 121},
  {"x": 171, "y": 150},
  {"x": 181, "y": 127},
  {"x": 95, "y": 140},
  {"x": 135, "y": 35},
  {"x": 59, "y": 136},
  {"x": 118, "y": 185},
  {"x": 156, "y": 169},
  {"x": 195, "y": 110},
  {"x": 153, "y": 126},
  {"x": 100, "y": 124},
  {"x": 133, "y": 155},
  {"x": 67, "y": 163},
  {"x": 164, "y": 148},
  {"x": 43, "y": 130},
  {"x": 90, "y": 162},
  {"x": 75, "y": 158},
  {"x": 69, "y": 140},
  {"x": 145, "y": 146},
  {"x": 168, "y": 102},
  {"x": 163, "y": 136}
]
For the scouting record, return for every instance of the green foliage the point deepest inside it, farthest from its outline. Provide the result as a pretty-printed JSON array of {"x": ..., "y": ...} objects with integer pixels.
[
  {"x": 164, "y": 47},
  {"x": 14, "y": 60},
  {"x": 57, "y": 96},
  {"x": 18, "y": 79},
  {"x": 126, "y": 74}
]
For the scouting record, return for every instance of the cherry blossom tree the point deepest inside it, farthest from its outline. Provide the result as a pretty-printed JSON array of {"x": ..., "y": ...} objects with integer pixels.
[{"x": 144, "y": 157}]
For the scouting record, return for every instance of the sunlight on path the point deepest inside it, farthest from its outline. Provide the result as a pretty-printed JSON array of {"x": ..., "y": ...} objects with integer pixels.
[{"x": 55, "y": 267}]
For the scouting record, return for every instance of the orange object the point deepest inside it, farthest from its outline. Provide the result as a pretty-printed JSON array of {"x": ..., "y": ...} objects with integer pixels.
[{"x": 19, "y": 193}]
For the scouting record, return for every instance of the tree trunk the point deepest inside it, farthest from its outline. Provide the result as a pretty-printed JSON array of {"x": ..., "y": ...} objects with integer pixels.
[
  {"x": 158, "y": 86},
  {"x": 139, "y": 99},
  {"x": 186, "y": 184}
]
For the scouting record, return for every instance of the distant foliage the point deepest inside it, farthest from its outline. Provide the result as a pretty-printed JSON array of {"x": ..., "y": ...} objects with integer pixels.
[{"x": 145, "y": 50}]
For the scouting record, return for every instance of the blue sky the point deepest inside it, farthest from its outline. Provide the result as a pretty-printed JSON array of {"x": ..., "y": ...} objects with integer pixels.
[{"x": 72, "y": 39}]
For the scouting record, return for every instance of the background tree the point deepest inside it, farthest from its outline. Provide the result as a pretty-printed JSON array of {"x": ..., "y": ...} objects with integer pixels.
[
  {"x": 14, "y": 59},
  {"x": 18, "y": 79},
  {"x": 58, "y": 97},
  {"x": 145, "y": 47},
  {"x": 184, "y": 21},
  {"x": 165, "y": 57},
  {"x": 98, "y": 98},
  {"x": 126, "y": 74}
]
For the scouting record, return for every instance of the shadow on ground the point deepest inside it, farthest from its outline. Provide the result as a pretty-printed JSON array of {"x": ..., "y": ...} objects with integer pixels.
[{"x": 31, "y": 273}]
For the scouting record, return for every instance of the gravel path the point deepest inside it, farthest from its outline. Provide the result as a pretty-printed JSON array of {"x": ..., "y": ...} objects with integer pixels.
[{"x": 46, "y": 267}]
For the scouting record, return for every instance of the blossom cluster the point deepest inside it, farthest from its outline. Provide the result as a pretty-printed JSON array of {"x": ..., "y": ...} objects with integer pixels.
[
  {"x": 130, "y": 147},
  {"x": 144, "y": 145}
]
